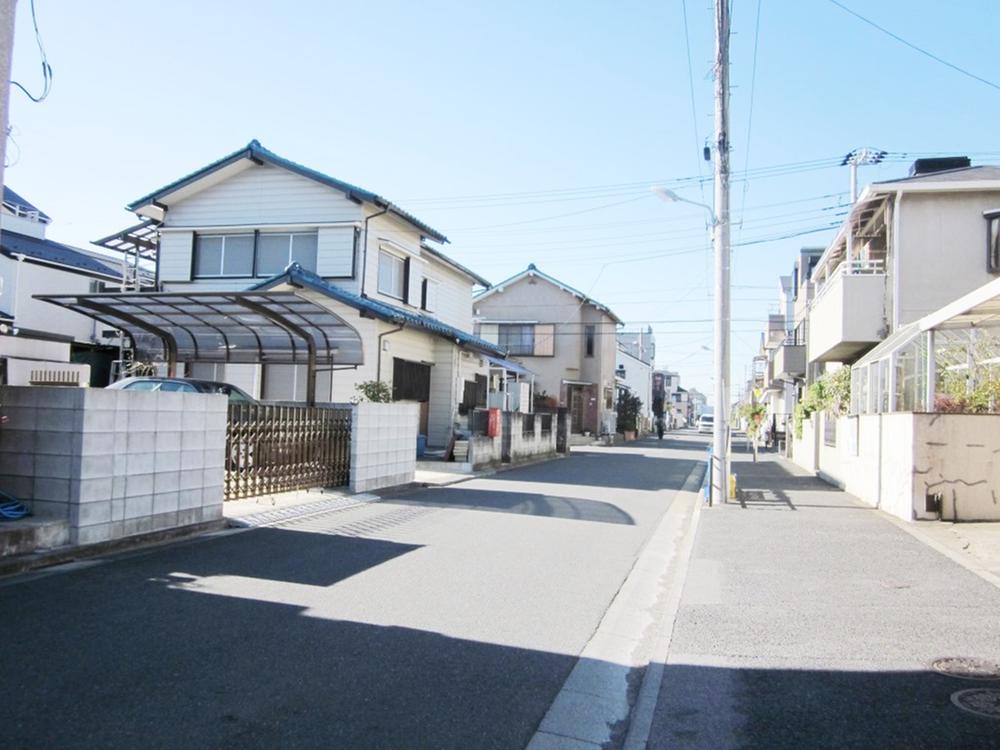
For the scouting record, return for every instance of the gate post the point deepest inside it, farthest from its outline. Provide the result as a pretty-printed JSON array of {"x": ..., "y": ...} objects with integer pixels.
[{"x": 562, "y": 430}]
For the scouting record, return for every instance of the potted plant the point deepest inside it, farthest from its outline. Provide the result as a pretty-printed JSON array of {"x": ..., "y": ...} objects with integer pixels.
[{"x": 629, "y": 409}]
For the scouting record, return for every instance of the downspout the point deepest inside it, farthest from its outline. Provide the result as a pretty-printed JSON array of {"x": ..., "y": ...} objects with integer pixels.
[
  {"x": 364, "y": 261},
  {"x": 378, "y": 354},
  {"x": 17, "y": 289}
]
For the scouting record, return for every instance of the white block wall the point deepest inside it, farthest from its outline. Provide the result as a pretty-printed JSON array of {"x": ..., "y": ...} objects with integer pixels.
[
  {"x": 383, "y": 445},
  {"x": 114, "y": 463}
]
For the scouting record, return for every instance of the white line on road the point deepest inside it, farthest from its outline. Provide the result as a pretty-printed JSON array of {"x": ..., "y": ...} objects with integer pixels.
[{"x": 593, "y": 703}]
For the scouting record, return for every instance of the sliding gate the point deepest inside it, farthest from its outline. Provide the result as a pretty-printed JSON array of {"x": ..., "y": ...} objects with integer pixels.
[{"x": 277, "y": 448}]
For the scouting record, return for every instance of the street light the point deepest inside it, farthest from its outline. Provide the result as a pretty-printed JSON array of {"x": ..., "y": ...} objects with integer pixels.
[{"x": 719, "y": 482}]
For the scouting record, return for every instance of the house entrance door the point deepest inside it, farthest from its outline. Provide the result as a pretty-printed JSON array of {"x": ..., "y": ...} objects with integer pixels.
[{"x": 577, "y": 408}]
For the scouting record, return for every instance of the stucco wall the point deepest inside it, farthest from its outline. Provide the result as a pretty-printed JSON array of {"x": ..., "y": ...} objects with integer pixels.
[
  {"x": 383, "y": 445},
  {"x": 114, "y": 463},
  {"x": 958, "y": 456}
]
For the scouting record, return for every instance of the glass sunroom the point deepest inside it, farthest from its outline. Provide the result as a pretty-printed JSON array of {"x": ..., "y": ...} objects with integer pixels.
[{"x": 946, "y": 361}]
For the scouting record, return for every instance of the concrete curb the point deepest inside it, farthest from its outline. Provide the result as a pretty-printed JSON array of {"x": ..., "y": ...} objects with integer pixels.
[
  {"x": 593, "y": 706},
  {"x": 26, "y": 563},
  {"x": 641, "y": 720}
]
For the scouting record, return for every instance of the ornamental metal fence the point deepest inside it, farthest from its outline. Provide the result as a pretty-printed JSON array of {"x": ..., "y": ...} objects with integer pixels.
[{"x": 279, "y": 448}]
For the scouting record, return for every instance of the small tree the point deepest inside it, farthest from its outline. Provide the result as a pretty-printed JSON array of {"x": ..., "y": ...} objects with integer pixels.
[
  {"x": 374, "y": 391},
  {"x": 629, "y": 408}
]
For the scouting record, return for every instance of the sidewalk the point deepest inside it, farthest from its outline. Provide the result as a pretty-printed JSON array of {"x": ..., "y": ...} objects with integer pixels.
[{"x": 811, "y": 621}]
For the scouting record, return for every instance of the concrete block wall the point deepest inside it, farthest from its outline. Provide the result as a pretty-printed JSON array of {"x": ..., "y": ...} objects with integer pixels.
[
  {"x": 488, "y": 451},
  {"x": 383, "y": 444},
  {"x": 114, "y": 463}
]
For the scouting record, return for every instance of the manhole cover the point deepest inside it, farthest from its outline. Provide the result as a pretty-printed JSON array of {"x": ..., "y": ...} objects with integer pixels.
[
  {"x": 978, "y": 701},
  {"x": 968, "y": 668}
]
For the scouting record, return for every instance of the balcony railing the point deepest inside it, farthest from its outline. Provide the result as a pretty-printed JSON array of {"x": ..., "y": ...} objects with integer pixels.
[{"x": 850, "y": 268}]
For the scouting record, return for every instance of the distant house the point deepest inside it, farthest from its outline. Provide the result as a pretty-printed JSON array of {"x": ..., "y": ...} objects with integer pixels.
[
  {"x": 39, "y": 343},
  {"x": 566, "y": 338},
  {"x": 298, "y": 286},
  {"x": 634, "y": 366}
]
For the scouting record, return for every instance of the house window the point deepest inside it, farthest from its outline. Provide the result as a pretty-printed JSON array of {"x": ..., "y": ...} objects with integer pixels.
[
  {"x": 276, "y": 251},
  {"x": 516, "y": 338},
  {"x": 391, "y": 275},
  {"x": 588, "y": 336},
  {"x": 993, "y": 241},
  {"x": 223, "y": 255}
]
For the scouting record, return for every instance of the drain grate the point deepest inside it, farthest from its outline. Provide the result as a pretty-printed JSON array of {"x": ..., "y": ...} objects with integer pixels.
[
  {"x": 979, "y": 701},
  {"x": 968, "y": 668}
]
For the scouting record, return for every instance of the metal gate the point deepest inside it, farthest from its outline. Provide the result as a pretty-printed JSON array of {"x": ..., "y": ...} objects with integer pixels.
[{"x": 277, "y": 448}]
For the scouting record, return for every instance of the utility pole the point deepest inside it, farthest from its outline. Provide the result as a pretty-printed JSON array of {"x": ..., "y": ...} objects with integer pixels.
[
  {"x": 720, "y": 436},
  {"x": 855, "y": 158},
  {"x": 7, "y": 8}
]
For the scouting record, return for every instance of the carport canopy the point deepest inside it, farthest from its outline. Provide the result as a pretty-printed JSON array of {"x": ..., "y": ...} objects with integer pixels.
[{"x": 273, "y": 327}]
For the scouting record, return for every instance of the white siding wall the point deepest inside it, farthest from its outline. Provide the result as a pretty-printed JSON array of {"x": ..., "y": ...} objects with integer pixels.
[
  {"x": 444, "y": 374},
  {"x": 262, "y": 195},
  {"x": 39, "y": 315},
  {"x": 175, "y": 255},
  {"x": 335, "y": 252},
  {"x": 454, "y": 295}
]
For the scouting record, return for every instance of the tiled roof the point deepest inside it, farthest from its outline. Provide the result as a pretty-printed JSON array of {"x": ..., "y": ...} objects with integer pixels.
[
  {"x": 48, "y": 251},
  {"x": 9, "y": 196},
  {"x": 296, "y": 275},
  {"x": 257, "y": 152}
]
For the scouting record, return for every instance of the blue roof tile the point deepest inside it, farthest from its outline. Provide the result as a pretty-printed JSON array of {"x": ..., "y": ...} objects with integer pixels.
[
  {"x": 9, "y": 196},
  {"x": 296, "y": 275},
  {"x": 48, "y": 251}
]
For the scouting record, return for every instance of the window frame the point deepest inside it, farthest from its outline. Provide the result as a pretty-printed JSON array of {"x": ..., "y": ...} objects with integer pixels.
[
  {"x": 382, "y": 254},
  {"x": 589, "y": 339},
  {"x": 255, "y": 251},
  {"x": 222, "y": 256},
  {"x": 504, "y": 341},
  {"x": 992, "y": 241}
]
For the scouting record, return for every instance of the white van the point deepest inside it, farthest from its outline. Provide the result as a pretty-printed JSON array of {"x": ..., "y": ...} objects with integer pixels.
[{"x": 706, "y": 423}]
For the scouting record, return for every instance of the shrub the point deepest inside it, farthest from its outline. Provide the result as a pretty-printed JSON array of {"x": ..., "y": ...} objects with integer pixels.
[{"x": 374, "y": 391}]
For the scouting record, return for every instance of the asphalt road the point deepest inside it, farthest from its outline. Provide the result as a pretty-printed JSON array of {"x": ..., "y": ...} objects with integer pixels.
[{"x": 445, "y": 618}]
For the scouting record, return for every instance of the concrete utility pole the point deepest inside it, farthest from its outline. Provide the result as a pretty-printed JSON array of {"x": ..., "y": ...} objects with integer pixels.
[
  {"x": 720, "y": 436},
  {"x": 7, "y": 8},
  {"x": 857, "y": 157}
]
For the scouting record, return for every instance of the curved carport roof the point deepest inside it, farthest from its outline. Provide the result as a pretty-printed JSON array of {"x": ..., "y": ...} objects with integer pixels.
[{"x": 273, "y": 327}]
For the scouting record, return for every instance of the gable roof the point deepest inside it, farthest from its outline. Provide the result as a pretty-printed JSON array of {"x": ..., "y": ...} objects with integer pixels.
[
  {"x": 13, "y": 199},
  {"x": 53, "y": 253},
  {"x": 455, "y": 265},
  {"x": 296, "y": 275},
  {"x": 255, "y": 152},
  {"x": 532, "y": 270}
]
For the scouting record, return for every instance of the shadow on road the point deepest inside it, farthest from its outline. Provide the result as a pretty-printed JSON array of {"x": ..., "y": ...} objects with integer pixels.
[
  {"x": 788, "y": 709},
  {"x": 525, "y": 503},
  {"x": 634, "y": 468}
]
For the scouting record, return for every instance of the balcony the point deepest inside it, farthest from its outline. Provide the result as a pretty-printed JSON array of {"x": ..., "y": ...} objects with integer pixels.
[
  {"x": 790, "y": 360},
  {"x": 847, "y": 316}
]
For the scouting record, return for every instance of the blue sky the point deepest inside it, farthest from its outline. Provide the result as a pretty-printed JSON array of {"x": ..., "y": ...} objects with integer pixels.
[{"x": 525, "y": 131}]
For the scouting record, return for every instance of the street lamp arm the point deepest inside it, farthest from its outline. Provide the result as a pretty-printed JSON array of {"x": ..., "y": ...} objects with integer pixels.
[{"x": 671, "y": 197}]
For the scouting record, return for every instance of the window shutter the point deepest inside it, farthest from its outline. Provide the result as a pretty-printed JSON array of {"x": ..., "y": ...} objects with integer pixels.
[
  {"x": 545, "y": 335},
  {"x": 406, "y": 281},
  {"x": 423, "y": 294},
  {"x": 489, "y": 332}
]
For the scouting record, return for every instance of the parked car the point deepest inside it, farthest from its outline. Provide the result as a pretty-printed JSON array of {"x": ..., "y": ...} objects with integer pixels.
[
  {"x": 183, "y": 385},
  {"x": 706, "y": 423}
]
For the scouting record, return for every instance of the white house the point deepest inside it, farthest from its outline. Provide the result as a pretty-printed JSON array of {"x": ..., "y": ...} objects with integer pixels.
[
  {"x": 297, "y": 286},
  {"x": 634, "y": 366},
  {"x": 41, "y": 344}
]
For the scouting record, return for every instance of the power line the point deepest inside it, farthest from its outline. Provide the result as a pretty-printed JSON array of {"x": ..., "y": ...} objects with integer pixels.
[
  {"x": 753, "y": 87},
  {"x": 914, "y": 47},
  {"x": 694, "y": 109},
  {"x": 46, "y": 68}
]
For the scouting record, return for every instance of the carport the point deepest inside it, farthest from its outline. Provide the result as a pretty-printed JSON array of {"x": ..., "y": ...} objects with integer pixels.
[{"x": 289, "y": 326}]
